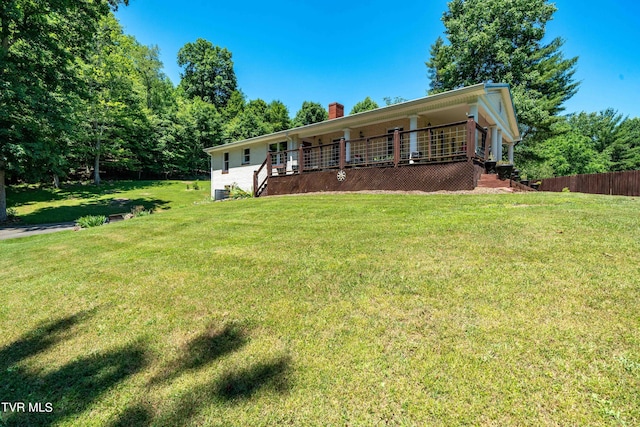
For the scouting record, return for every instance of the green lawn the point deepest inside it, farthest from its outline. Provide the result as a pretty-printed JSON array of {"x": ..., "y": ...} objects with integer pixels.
[
  {"x": 352, "y": 309},
  {"x": 49, "y": 205}
]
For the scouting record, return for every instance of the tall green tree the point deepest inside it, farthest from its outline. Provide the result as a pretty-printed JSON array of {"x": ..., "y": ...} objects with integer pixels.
[
  {"x": 278, "y": 116},
  {"x": 364, "y": 105},
  {"x": 626, "y": 150},
  {"x": 502, "y": 41},
  {"x": 39, "y": 44},
  {"x": 208, "y": 72},
  {"x": 586, "y": 143},
  {"x": 234, "y": 106},
  {"x": 199, "y": 126},
  {"x": 158, "y": 89},
  {"x": 310, "y": 112},
  {"x": 252, "y": 121},
  {"x": 116, "y": 114}
]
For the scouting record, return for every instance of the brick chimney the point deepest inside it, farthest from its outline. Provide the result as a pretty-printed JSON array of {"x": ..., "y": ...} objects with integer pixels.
[{"x": 336, "y": 110}]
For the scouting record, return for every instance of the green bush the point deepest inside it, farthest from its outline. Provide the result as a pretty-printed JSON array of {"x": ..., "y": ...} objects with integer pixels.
[
  {"x": 139, "y": 210},
  {"x": 12, "y": 214},
  {"x": 196, "y": 186},
  {"x": 236, "y": 192},
  {"x": 91, "y": 221}
]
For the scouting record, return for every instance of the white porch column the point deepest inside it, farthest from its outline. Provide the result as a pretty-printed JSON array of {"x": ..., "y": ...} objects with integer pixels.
[
  {"x": 347, "y": 149},
  {"x": 494, "y": 142},
  {"x": 511, "y": 152},
  {"x": 211, "y": 167},
  {"x": 413, "y": 136},
  {"x": 499, "y": 145},
  {"x": 292, "y": 144},
  {"x": 473, "y": 111}
]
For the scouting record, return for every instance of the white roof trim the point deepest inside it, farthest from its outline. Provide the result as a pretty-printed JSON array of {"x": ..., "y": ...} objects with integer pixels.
[{"x": 404, "y": 109}]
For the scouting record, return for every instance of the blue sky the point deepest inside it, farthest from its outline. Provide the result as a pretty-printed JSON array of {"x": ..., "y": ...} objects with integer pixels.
[{"x": 326, "y": 51}]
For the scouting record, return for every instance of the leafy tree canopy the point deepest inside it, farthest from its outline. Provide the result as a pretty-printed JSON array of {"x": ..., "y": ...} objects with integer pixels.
[
  {"x": 208, "y": 72},
  {"x": 364, "y": 105},
  {"x": 585, "y": 143},
  {"x": 626, "y": 150},
  {"x": 311, "y": 112},
  {"x": 502, "y": 41},
  {"x": 278, "y": 116},
  {"x": 39, "y": 44}
]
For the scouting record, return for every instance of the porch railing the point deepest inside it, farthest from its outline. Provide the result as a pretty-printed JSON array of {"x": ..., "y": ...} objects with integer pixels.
[
  {"x": 460, "y": 141},
  {"x": 260, "y": 178}
]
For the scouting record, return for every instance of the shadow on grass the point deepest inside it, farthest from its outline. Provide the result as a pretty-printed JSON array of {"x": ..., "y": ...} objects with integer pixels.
[
  {"x": 19, "y": 195},
  {"x": 93, "y": 207},
  {"x": 233, "y": 387},
  {"x": 204, "y": 349},
  {"x": 70, "y": 389},
  {"x": 89, "y": 197},
  {"x": 245, "y": 383},
  {"x": 272, "y": 376}
]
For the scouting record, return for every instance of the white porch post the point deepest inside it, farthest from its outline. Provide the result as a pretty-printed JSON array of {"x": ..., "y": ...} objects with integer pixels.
[
  {"x": 347, "y": 149},
  {"x": 211, "y": 168},
  {"x": 473, "y": 111},
  {"x": 499, "y": 145},
  {"x": 292, "y": 144},
  {"x": 413, "y": 137},
  {"x": 494, "y": 143},
  {"x": 511, "y": 152}
]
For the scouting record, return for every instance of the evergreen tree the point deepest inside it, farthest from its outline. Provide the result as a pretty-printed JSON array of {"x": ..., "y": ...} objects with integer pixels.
[
  {"x": 502, "y": 41},
  {"x": 626, "y": 150}
]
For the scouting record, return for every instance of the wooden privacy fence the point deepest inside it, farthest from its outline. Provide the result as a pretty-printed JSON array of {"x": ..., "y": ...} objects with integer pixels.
[{"x": 616, "y": 183}]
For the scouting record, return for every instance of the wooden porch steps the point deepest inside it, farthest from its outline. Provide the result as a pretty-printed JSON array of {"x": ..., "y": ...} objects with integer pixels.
[{"x": 492, "y": 181}]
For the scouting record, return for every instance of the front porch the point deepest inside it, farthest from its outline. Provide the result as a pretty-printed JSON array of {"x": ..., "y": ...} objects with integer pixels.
[{"x": 444, "y": 157}]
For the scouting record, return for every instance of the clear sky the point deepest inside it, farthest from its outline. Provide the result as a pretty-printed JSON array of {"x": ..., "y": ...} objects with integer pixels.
[{"x": 326, "y": 51}]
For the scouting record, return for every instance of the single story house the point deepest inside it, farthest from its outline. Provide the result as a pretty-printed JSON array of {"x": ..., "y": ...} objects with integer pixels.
[{"x": 438, "y": 142}]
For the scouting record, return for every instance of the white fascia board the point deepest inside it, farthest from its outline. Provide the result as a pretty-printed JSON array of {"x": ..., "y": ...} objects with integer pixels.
[
  {"x": 497, "y": 119},
  {"x": 507, "y": 102},
  {"x": 365, "y": 118}
]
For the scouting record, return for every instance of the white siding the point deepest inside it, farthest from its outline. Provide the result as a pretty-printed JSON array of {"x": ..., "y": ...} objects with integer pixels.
[
  {"x": 243, "y": 176},
  {"x": 238, "y": 173}
]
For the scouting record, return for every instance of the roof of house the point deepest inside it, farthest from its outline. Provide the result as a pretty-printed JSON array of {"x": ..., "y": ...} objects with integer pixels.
[{"x": 468, "y": 94}]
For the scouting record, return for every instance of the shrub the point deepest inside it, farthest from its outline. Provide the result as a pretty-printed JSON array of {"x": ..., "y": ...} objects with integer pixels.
[
  {"x": 91, "y": 221},
  {"x": 12, "y": 214},
  {"x": 566, "y": 190},
  {"x": 236, "y": 192},
  {"x": 196, "y": 186},
  {"x": 139, "y": 210}
]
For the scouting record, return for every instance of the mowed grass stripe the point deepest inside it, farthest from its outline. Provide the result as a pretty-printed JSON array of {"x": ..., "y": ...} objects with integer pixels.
[{"x": 339, "y": 309}]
